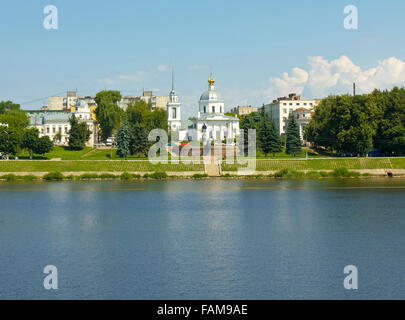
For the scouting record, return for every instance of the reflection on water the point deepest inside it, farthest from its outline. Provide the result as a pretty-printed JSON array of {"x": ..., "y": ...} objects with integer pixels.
[{"x": 216, "y": 239}]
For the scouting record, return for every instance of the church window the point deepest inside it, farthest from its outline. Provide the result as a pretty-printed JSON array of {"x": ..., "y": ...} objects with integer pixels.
[
  {"x": 220, "y": 109},
  {"x": 174, "y": 113},
  {"x": 213, "y": 109},
  {"x": 205, "y": 109}
]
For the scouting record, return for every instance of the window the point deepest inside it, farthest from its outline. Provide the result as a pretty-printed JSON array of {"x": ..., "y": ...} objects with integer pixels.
[
  {"x": 284, "y": 118},
  {"x": 220, "y": 109},
  {"x": 298, "y": 116},
  {"x": 174, "y": 113},
  {"x": 53, "y": 129},
  {"x": 297, "y": 104},
  {"x": 66, "y": 130},
  {"x": 290, "y": 103},
  {"x": 47, "y": 130},
  {"x": 205, "y": 109},
  {"x": 291, "y": 110},
  {"x": 213, "y": 109},
  {"x": 285, "y": 110}
]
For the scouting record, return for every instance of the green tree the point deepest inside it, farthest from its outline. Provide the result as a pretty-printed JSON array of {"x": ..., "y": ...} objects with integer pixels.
[
  {"x": 293, "y": 140},
  {"x": 58, "y": 136},
  {"x": 8, "y": 141},
  {"x": 79, "y": 134},
  {"x": 124, "y": 140},
  {"x": 139, "y": 141},
  {"x": 17, "y": 120},
  {"x": 30, "y": 140},
  {"x": 8, "y": 105},
  {"x": 43, "y": 145},
  {"x": 390, "y": 136},
  {"x": 108, "y": 113}
]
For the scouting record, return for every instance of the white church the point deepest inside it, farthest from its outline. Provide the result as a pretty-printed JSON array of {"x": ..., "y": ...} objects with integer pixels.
[{"x": 211, "y": 124}]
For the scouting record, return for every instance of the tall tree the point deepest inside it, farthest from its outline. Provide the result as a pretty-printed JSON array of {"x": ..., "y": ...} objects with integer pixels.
[
  {"x": 269, "y": 140},
  {"x": 17, "y": 120},
  {"x": 79, "y": 134},
  {"x": 139, "y": 141},
  {"x": 43, "y": 145},
  {"x": 108, "y": 113},
  {"x": 9, "y": 142},
  {"x": 293, "y": 139},
  {"x": 30, "y": 140},
  {"x": 124, "y": 140}
]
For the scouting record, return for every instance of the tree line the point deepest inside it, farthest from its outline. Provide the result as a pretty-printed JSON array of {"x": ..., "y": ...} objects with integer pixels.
[
  {"x": 268, "y": 139},
  {"x": 357, "y": 125},
  {"x": 131, "y": 126}
]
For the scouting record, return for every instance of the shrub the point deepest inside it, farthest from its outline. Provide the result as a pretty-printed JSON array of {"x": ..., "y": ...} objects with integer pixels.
[
  {"x": 53, "y": 176},
  {"x": 126, "y": 176},
  {"x": 9, "y": 177},
  {"x": 88, "y": 176},
  {"x": 29, "y": 177},
  {"x": 313, "y": 174},
  {"x": 107, "y": 176},
  {"x": 201, "y": 176},
  {"x": 158, "y": 175},
  {"x": 344, "y": 172}
]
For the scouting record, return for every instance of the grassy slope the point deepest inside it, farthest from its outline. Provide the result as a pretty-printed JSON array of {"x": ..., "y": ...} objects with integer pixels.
[
  {"x": 324, "y": 164},
  {"x": 97, "y": 166}
]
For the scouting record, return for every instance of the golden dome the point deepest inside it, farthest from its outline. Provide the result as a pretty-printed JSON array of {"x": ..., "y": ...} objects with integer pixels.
[{"x": 211, "y": 80}]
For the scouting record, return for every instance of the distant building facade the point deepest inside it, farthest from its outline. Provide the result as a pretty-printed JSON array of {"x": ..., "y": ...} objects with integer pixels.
[
  {"x": 243, "y": 110},
  {"x": 157, "y": 102},
  {"x": 280, "y": 109},
  {"x": 50, "y": 122},
  {"x": 67, "y": 102}
]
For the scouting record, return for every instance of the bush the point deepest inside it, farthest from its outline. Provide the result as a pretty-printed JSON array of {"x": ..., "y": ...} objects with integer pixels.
[
  {"x": 126, "y": 176},
  {"x": 158, "y": 175},
  {"x": 9, "y": 177},
  {"x": 88, "y": 176},
  {"x": 287, "y": 173},
  {"x": 201, "y": 176},
  {"x": 107, "y": 176},
  {"x": 53, "y": 176},
  {"x": 344, "y": 172},
  {"x": 29, "y": 177}
]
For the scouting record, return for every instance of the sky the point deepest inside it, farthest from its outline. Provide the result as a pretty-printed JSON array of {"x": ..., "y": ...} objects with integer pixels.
[{"x": 258, "y": 49}]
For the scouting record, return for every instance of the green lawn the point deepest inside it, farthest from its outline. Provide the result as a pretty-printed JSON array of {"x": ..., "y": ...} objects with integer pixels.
[
  {"x": 96, "y": 166},
  {"x": 323, "y": 164}
]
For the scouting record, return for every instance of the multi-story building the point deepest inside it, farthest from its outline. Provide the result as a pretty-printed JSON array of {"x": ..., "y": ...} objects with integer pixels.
[
  {"x": 243, "y": 110},
  {"x": 50, "y": 122},
  {"x": 71, "y": 98},
  {"x": 279, "y": 110},
  {"x": 157, "y": 102}
]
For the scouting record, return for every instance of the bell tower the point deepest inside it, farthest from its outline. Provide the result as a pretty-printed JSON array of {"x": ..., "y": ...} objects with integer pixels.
[{"x": 173, "y": 109}]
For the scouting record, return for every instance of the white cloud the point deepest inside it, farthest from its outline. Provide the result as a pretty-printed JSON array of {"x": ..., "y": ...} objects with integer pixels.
[{"x": 336, "y": 77}]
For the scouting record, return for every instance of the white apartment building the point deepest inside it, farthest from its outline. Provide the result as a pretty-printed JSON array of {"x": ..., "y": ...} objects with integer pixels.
[
  {"x": 280, "y": 109},
  {"x": 50, "y": 122}
]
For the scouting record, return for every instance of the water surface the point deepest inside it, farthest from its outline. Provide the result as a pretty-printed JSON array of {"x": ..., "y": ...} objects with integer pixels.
[{"x": 214, "y": 239}]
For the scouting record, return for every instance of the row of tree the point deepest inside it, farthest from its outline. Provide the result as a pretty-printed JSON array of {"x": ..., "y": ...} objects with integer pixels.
[
  {"x": 131, "y": 126},
  {"x": 268, "y": 139},
  {"x": 359, "y": 124}
]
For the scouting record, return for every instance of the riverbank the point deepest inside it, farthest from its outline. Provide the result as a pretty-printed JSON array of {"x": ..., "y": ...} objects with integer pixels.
[{"x": 162, "y": 175}]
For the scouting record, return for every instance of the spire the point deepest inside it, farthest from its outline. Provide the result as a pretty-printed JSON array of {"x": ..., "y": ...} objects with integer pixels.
[
  {"x": 172, "y": 78},
  {"x": 211, "y": 80}
]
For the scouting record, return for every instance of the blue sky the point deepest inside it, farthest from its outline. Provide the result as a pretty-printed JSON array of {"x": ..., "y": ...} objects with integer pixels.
[{"x": 130, "y": 45}]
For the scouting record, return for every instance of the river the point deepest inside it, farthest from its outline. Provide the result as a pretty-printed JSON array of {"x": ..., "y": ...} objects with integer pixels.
[{"x": 210, "y": 239}]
